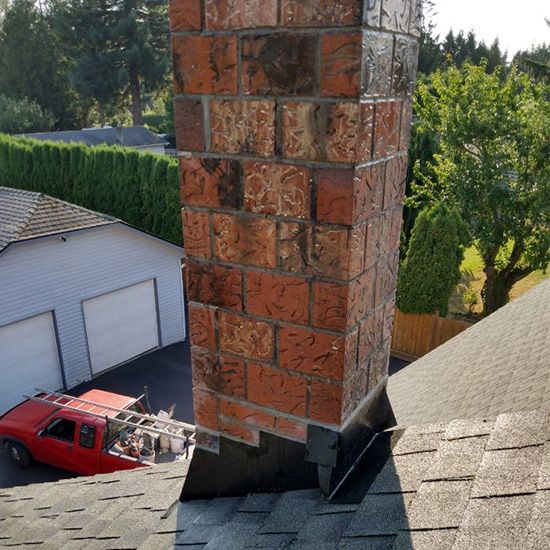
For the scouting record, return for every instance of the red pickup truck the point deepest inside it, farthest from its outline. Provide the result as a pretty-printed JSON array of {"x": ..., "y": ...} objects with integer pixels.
[{"x": 74, "y": 440}]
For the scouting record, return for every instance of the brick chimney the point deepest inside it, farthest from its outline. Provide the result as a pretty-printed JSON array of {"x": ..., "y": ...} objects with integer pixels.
[{"x": 292, "y": 121}]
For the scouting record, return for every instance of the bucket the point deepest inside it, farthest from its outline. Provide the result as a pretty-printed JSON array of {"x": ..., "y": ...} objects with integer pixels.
[{"x": 177, "y": 445}]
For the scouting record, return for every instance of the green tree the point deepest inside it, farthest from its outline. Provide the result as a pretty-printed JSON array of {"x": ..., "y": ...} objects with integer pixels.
[
  {"x": 120, "y": 47},
  {"x": 18, "y": 116},
  {"x": 493, "y": 164},
  {"x": 431, "y": 269},
  {"x": 33, "y": 66}
]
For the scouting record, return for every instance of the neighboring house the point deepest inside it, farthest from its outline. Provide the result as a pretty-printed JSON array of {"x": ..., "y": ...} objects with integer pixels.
[
  {"x": 452, "y": 480},
  {"x": 80, "y": 292},
  {"x": 136, "y": 137}
]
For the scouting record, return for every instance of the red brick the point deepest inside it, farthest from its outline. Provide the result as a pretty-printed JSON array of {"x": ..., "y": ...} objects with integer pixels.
[
  {"x": 386, "y": 278},
  {"x": 277, "y": 389},
  {"x": 246, "y": 337},
  {"x": 243, "y": 127},
  {"x": 310, "y": 352},
  {"x": 373, "y": 241},
  {"x": 277, "y": 296},
  {"x": 395, "y": 181},
  {"x": 386, "y": 129},
  {"x": 366, "y": 130},
  {"x": 357, "y": 250},
  {"x": 201, "y": 326},
  {"x": 330, "y": 252},
  {"x": 279, "y": 64},
  {"x": 378, "y": 367},
  {"x": 344, "y": 132},
  {"x": 292, "y": 429},
  {"x": 239, "y": 14},
  {"x": 335, "y": 195},
  {"x": 250, "y": 436},
  {"x": 294, "y": 247},
  {"x": 189, "y": 124},
  {"x": 196, "y": 233},
  {"x": 214, "y": 285},
  {"x": 245, "y": 240},
  {"x": 247, "y": 414},
  {"x": 210, "y": 182},
  {"x": 205, "y": 64},
  {"x": 387, "y": 325},
  {"x": 185, "y": 15},
  {"x": 370, "y": 334},
  {"x": 325, "y": 402},
  {"x": 330, "y": 305},
  {"x": 313, "y": 13},
  {"x": 277, "y": 189},
  {"x": 361, "y": 297},
  {"x": 355, "y": 390},
  {"x": 341, "y": 65},
  {"x": 405, "y": 130},
  {"x": 233, "y": 377},
  {"x": 206, "y": 409},
  {"x": 369, "y": 191},
  {"x": 395, "y": 232}
]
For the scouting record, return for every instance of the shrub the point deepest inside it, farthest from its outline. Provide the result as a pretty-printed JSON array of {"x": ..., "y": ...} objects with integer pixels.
[
  {"x": 431, "y": 269},
  {"x": 18, "y": 116}
]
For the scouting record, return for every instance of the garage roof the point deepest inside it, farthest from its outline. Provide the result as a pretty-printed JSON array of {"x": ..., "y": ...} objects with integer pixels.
[
  {"x": 462, "y": 485},
  {"x": 27, "y": 214}
]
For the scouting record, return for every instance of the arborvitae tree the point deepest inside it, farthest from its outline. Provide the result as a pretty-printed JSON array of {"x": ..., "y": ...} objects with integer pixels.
[{"x": 431, "y": 269}]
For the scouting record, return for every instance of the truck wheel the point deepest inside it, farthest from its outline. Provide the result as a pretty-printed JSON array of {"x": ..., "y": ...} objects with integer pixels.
[{"x": 19, "y": 455}]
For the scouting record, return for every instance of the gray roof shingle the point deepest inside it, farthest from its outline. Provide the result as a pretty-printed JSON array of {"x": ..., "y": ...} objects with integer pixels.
[
  {"x": 27, "y": 214},
  {"x": 451, "y": 490},
  {"x": 501, "y": 364}
]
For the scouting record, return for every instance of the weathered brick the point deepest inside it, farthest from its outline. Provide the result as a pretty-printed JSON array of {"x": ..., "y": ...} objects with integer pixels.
[
  {"x": 395, "y": 232},
  {"x": 331, "y": 252},
  {"x": 395, "y": 182},
  {"x": 369, "y": 191},
  {"x": 373, "y": 245},
  {"x": 378, "y": 366},
  {"x": 357, "y": 250},
  {"x": 395, "y": 15},
  {"x": 366, "y": 131},
  {"x": 205, "y": 405},
  {"x": 196, "y": 233},
  {"x": 242, "y": 433},
  {"x": 201, "y": 326},
  {"x": 406, "y": 120},
  {"x": 243, "y": 127},
  {"x": 185, "y": 15},
  {"x": 239, "y": 14},
  {"x": 278, "y": 189},
  {"x": 405, "y": 61},
  {"x": 377, "y": 63},
  {"x": 341, "y": 65},
  {"x": 246, "y": 337},
  {"x": 371, "y": 13},
  {"x": 335, "y": 195},
  {"x": 370, "y": 334},
  {"x": 386, "y": 276},
  {"x": 311, "y": 13},
  {"x": 330, "y": 305},
  {"x": 293, "y": 429},
  {"x": 189, "y": 124},
  {"x": 205, "y": 64},
  {"x": 344, "y": 132},
  {"x": 277, "y": 296},
  {"x": 279, "y": 64},
  {"x": 361, "y": 296},
  {"x": 277, "y": 389},
  {"x": 310, "y": 352},
  {"x": 214, "y": 285},
  {"x": 325, "y": 402},
  {"x": 386, "y": 129},
  {"x": 247, "y": 414},
  {"x": 294, "y": 246},
  {"x": 232, "y": 377},
  {"x": 389, "y": 313},
  {"x": 210, "y": 182},
  {"x": 355, "y": 389},
  {"x": 245, "y": 240}
]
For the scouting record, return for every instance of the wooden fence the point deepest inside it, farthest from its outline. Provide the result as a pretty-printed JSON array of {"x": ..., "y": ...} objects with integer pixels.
[{"x": 414, "y": 335}]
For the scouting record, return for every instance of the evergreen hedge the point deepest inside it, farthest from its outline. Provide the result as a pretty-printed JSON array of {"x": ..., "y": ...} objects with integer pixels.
[
  {"x": 431, "y": 269},
  {"x": 139, "y": 188}
]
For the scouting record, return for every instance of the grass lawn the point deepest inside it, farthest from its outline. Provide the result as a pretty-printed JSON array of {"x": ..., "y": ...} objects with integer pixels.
[{"x": 472, "y": 275}]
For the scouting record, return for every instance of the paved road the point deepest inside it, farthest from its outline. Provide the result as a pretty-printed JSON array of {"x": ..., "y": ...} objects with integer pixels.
[{"x": 167, "y": 373}]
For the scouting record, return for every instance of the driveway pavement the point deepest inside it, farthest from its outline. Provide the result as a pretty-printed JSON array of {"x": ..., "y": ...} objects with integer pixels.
[{"x": 166, "y": 372}]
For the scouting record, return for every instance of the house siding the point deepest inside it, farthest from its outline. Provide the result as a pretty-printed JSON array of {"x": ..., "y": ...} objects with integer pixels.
[{"x": 48, "y": 274}]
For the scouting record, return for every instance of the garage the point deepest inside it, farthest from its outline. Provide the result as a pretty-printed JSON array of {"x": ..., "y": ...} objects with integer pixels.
[
  {"x": 121, "y": 325},
  {"x": 29, "y": 359}
]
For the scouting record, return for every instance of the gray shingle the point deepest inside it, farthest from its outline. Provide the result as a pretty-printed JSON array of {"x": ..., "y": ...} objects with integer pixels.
[
  {"x": 458, "y": 429},
  {"x": 291, "y": 512},
  {"x": 259, "y": 503},
  {"x": 539, "y": 526},
  {"x": 441, "y": 539},
  {"x": 544, "y": 475},
  {"x": 370, "y": 543},
  {"x": 220, "y": 511},
  {"x": 411, "y": 442},
  {"x": 519, "y": 430},
  {"x": 508, "y": 472},
  {"x": 402, "y": 473},
  {"x": 325, "y": 528},
  {"x": 439, "y": 505}
]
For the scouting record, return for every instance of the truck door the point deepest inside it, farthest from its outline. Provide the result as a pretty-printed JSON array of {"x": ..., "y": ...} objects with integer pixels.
[{"x": 55, "y": 443}]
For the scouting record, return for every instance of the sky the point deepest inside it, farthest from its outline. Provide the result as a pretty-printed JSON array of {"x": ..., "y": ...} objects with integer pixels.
[{"x": 518, "y": 24}]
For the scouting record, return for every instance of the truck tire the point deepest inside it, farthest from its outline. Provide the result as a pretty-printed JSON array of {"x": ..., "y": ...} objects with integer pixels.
[{"x": 19, "y": 455}]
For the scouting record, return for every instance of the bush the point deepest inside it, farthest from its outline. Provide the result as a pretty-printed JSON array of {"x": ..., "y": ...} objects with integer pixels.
[
  {"x": 18, "y": 116},
  {"x": 140, "y": 189},
  {"x": 431, "y": 269}
]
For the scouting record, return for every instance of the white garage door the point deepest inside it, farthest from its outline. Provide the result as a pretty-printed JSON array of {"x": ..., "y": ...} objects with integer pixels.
[
  {"x": 29, "y": 359},
  {"x": 121, "y": 325}
]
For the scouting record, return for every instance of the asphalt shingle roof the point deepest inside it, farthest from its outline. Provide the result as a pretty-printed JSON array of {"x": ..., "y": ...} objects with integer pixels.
[
  {"x": 26, "y": 214},
  {"x": 464, "y": 485},
  {"x": 136, "y": 136},
  {"x": 501, "y": 364}
]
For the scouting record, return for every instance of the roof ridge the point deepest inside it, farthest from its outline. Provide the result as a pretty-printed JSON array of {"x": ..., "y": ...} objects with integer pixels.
[{"x": 29, "y": 214}]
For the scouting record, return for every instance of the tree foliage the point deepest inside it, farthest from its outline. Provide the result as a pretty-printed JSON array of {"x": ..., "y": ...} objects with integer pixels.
[
  {"x": 141, "y": 189},
  {"x": 431, "y": 269},
  {"x": 18, "y": 116},
  {"x": 494, "y": 165}
]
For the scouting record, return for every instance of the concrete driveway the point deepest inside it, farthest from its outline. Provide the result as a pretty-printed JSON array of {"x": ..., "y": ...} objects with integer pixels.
[{"x": 166, "y": 372}]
